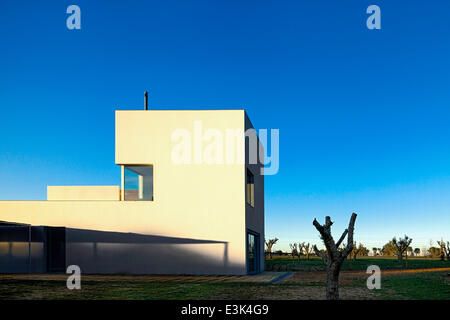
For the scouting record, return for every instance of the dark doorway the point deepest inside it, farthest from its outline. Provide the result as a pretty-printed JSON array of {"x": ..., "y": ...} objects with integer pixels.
[
  {"x": 56, "y": 249},
  {"x": 252, "y": 252}
]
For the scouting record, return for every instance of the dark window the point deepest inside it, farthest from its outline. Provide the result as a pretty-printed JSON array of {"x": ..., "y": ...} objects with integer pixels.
[
  {"x": 252, "y": 253},
  {"x": 56, "y": 249},
  {"x": 250, "y": 188}
]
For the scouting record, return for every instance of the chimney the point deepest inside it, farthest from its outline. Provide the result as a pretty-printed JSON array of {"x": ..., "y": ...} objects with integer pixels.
[{"x": 146, "y": 100}]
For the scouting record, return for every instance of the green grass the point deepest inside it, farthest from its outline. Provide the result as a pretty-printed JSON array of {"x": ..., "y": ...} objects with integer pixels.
[
  {"x": 421, "y": 286},
  {"x": 285, "y": 263},
  {"x": 417, "y": 286},
  {"x": 110, "y": 290}
]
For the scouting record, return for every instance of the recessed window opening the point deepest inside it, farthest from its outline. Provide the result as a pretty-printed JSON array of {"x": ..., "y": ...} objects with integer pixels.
[{"x": 138, "y": 183}]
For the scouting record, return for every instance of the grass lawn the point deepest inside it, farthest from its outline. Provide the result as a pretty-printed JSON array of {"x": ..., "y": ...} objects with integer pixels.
[
  {"x": 423, "y": 286},
  {"x": 285, "y": 263},
  {"x": 429, "y": 285}
]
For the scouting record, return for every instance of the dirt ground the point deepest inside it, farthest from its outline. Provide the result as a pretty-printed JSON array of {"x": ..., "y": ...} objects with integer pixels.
[
  {"x": 303, "y": 277},
  {"x": 264, "y": 277},
  {"x": 347, "y": 277},
  {"x": 295, "y": 293}
]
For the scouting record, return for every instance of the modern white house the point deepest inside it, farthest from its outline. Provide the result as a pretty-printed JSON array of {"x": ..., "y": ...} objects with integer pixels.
[{"x": 191, "y": 201}]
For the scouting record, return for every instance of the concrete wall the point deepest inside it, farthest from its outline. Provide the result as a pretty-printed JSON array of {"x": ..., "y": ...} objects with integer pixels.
[{"x": 83, "y": 193}]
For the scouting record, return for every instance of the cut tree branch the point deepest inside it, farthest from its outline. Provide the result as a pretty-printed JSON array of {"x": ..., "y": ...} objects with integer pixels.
[
  {"x": 320, "y": 254},
  {"x": 342, "y": 238},
  {"x": 351, "y": 229},
  {"x": 325, "y": 233}
]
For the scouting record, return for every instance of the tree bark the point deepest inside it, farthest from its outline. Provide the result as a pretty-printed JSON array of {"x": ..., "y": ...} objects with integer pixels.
[
  {"x": 333, "y": 282},
  {"x": 406, "y": 257}
]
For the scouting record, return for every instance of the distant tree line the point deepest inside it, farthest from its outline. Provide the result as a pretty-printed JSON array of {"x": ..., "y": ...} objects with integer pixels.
[
  {"x": 399, "y": 248},
  {"x": 297, "y": 249}
]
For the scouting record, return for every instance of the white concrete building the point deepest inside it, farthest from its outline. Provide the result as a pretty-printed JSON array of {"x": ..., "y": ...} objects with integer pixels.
[{"x": 190, "y": 202}]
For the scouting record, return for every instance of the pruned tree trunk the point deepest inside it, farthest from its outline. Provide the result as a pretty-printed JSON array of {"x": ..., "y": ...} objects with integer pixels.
[
  {"x": 333, "y": 282},
  {"x": 334, "y": 257},
  {"x": 406, "y": 257}
]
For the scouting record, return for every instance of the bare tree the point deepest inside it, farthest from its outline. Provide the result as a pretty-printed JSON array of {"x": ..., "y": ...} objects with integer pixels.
[
  {"x": 300, "y": 250},
  {"x": 401, "y": 246},
  {"x": 294, "y": 251},
  {"x": 269, "y": 245},
  {"x": 356, "y": 250},
  {"x": 445, "y": 249},
  {"x": 307, "y": 248},
  {"x": 334, "y": 258}
]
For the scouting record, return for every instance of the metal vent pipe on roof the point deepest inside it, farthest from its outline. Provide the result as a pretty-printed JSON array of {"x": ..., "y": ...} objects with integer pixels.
[{"x": 146, "y": 100}]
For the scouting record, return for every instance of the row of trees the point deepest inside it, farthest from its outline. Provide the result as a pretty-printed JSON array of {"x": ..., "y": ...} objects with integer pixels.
[
  {"x": 394, "y": 248},
  {"x": 299, "y": 249},
  {"x": 391, "y": 249}
]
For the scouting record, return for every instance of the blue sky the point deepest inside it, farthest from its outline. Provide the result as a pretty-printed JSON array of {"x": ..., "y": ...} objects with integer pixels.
[{"x": 363, "y": 114}]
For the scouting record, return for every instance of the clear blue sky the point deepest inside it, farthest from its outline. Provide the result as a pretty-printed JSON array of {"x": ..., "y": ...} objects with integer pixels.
[{"x": 363, "y": 114}]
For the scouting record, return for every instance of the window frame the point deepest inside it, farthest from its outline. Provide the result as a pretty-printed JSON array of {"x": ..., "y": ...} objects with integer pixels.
[
  {"x": 257, "y": 253},
  {"x": 250, "y": 192},
  {"x": 122, "y": 183}
]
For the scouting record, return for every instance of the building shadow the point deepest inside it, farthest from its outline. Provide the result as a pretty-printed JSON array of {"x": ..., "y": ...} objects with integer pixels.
[{"x": 39, "y": 249}]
